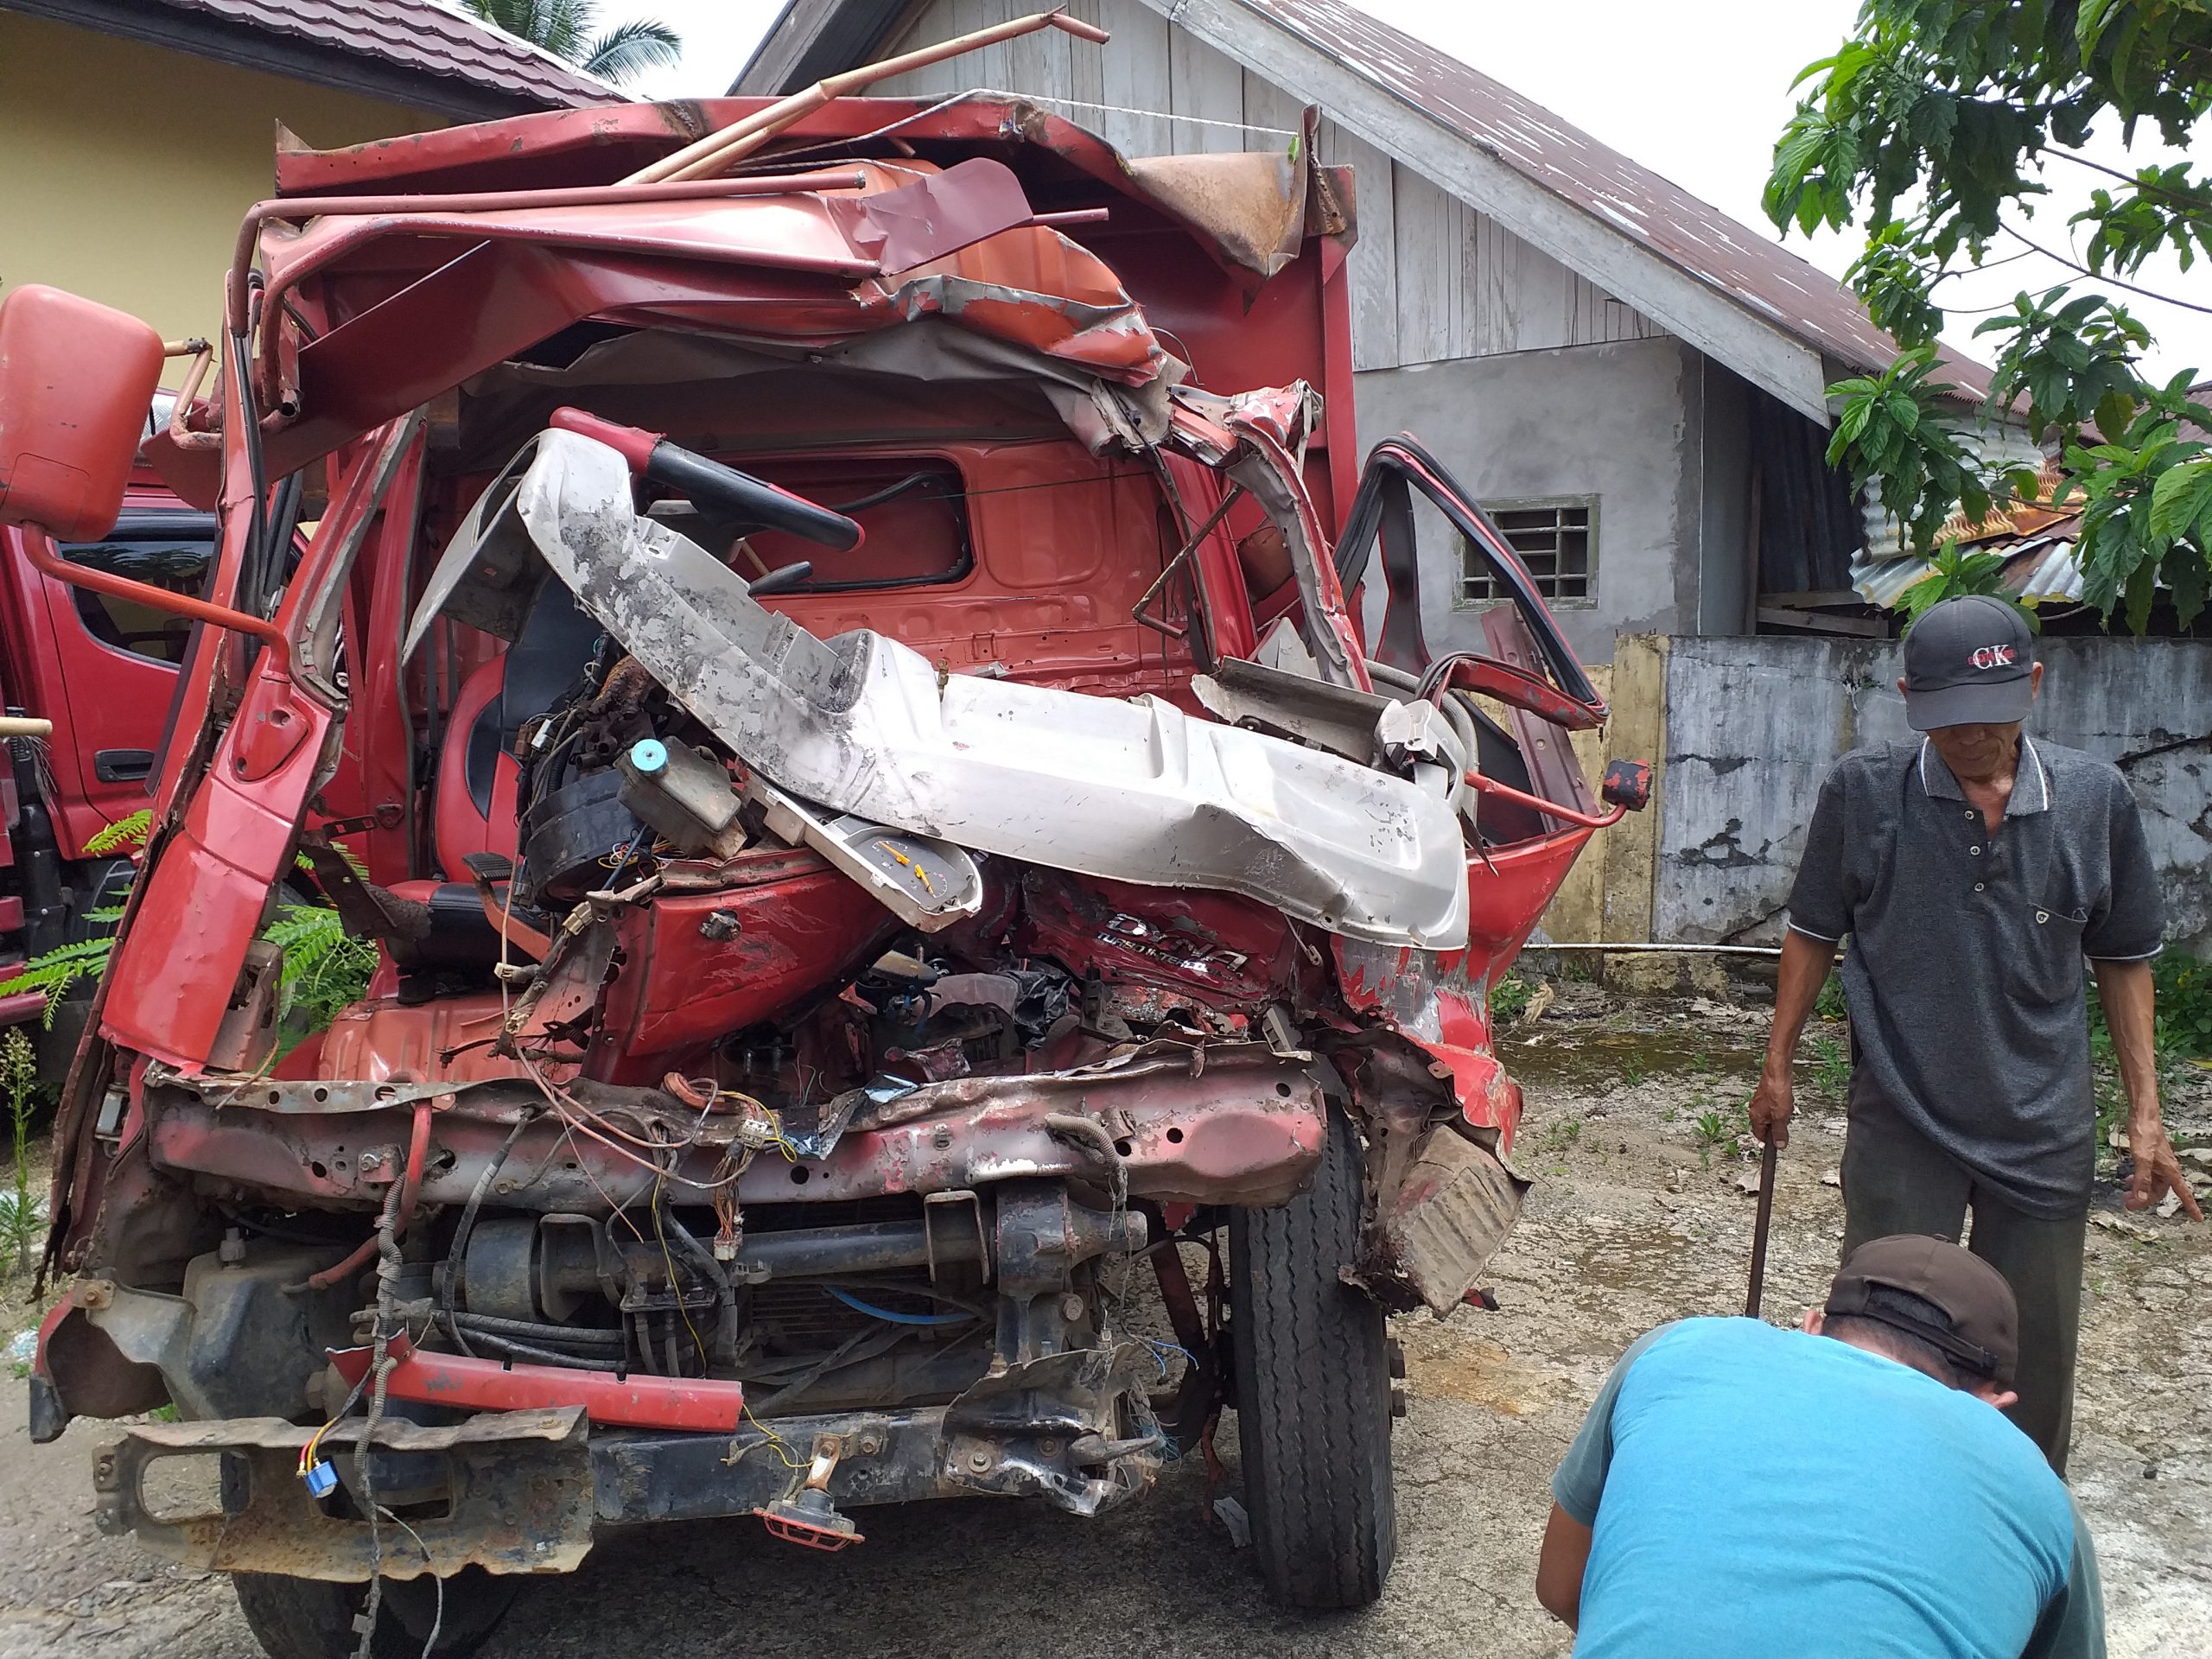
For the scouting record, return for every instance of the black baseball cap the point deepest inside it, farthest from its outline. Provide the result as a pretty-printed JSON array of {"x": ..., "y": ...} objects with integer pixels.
[
  {"x": 1984, "y": 1321},
  {"x": 1969, "y": 661}
]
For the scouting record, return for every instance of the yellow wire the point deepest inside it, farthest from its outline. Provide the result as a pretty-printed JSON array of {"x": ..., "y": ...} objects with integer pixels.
[
  {"x": 661, "y": 1234},
  {"x": 744, "y": 1405},
  {"x": 776, "y": 1442}
]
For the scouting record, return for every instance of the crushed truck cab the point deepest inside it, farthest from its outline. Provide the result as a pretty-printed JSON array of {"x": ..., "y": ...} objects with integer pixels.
[{"x": 922, "y": 951}]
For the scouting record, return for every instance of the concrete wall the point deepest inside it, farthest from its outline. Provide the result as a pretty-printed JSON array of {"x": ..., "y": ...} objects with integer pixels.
[
  {"x": 1752, "y": 725},
  {"x": 1621, "y": 423},
  {"x": 125, "y": 167}
]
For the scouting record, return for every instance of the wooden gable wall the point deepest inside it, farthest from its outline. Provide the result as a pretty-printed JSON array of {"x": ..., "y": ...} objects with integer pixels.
[{"x": 1431, "y": 278}]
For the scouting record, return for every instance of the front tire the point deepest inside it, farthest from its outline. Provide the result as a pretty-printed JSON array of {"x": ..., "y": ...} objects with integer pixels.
[
  {"x": 1312, "y": 1391},
  {"x": 309, "y": 1618}
]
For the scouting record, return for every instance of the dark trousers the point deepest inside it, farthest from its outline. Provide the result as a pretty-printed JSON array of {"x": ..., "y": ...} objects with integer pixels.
[{"x": 1896, "y": 1181}]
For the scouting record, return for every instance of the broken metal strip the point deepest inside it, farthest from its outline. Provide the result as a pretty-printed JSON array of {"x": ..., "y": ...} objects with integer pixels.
[
  {"x": 701, "y": 1404},
  {"x": 519, "y": 1487},
  {"x": 1236, "y": 493}
]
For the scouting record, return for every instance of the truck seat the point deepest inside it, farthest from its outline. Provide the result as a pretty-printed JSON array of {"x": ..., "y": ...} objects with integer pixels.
[{"x": 474, "y": 804}]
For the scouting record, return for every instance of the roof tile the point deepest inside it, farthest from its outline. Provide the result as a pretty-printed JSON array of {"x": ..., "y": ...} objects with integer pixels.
[{"x": 421, "y": 35}]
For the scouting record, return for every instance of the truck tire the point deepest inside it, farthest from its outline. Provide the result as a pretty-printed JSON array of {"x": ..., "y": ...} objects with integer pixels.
[
  {"x": 308, "y": 1618},
  {"x": 1312, "y": 1384}
]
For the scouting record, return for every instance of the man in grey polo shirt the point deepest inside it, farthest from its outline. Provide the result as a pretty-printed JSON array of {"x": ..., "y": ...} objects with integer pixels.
[{"x": 1972, "y": 871}]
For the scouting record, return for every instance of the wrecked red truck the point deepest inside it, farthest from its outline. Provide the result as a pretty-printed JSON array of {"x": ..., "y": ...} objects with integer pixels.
[{"x": 885, "y": 834}]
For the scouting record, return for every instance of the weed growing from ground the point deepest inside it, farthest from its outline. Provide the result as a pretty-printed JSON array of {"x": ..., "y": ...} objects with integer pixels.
[
  {"x": 1633, "y": 1071},
  {"x": 21, "y": 1224},
  {"x": 1562, "y": 1136},
  {"x": 1509, "y": 998},
  {"x": 1829, "y": 1004},
  {"x": 1831, "y": 1067},
  {"x": 1720, "y": 1126}
]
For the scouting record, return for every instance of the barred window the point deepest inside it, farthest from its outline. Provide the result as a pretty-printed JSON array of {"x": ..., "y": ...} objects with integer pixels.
[{"x": 1557, "y": 540}]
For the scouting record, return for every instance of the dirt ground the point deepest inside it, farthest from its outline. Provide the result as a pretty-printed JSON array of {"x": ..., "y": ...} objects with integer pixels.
[{"x": 1637, "y": 1217}]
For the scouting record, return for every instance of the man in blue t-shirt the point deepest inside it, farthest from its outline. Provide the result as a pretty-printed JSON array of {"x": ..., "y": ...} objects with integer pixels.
[{"x": 1850, "y": 1490}]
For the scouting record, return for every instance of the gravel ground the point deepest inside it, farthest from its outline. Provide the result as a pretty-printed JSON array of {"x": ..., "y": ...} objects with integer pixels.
[{"x": 1637, "y": 1217}]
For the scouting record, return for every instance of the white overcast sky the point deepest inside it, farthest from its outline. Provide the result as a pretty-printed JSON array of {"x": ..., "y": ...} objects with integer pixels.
[{"x": 1695, "y": 90}]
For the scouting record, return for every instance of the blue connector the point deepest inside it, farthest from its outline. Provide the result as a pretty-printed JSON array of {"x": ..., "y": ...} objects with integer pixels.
[{"x": 320, "y": 1480}]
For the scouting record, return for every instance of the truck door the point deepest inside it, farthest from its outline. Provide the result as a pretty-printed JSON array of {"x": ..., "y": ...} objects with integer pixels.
[{"x": 117, "y": 662}]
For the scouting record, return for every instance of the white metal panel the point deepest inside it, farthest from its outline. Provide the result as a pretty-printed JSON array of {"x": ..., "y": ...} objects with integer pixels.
[{"x": 1131, "y": 789}]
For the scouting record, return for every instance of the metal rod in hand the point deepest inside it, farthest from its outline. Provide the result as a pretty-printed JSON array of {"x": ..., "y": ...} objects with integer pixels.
[{"x": 1759, "y": 1231}]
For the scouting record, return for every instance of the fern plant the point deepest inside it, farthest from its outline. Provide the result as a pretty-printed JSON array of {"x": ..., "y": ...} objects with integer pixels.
[
  {"x": 324, "y": 967},
  {"x": 127, "y": 831}
]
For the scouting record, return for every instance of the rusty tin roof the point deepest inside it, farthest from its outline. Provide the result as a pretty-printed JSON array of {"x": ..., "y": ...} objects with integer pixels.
[{"x": 1744, "y": 266}]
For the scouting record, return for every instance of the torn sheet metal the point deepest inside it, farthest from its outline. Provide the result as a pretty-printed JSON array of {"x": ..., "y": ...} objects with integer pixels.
[
  {"x": 1443, "y": 1222},
  {"x": 1133, "y": 791}
]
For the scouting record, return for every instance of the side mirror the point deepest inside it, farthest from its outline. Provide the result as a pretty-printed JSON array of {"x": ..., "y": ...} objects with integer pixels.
[
  {"x": 76, "y": 380},
  {"x": 1627, "y": 784}
]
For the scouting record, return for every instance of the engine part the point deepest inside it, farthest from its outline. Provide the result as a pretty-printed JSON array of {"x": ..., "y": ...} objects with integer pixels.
[
  {"x": 567, "y": 835},
  {"x": 534, "y": 1269}
]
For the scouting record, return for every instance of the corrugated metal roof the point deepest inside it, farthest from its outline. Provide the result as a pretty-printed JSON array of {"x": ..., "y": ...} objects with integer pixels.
[
  {"x": 420, "y": 36},
  {"x": 2044, "y": 570},
  {"x": 1694, "y": 236}
]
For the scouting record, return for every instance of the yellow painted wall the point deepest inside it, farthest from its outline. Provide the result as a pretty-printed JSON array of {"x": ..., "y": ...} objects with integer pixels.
[{"x": 125, "y": 168}]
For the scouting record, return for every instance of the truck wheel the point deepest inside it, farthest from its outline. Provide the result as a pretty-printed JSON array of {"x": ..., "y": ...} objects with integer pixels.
[
  {"x": 1312, "y": 1391},
  {"x": 308, "y": 1618}
]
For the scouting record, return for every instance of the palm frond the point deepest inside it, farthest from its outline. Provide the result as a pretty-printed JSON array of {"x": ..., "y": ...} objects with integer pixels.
[{"x": 631, "y": 48}]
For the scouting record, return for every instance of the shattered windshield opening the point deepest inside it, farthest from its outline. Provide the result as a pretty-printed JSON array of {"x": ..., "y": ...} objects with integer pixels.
[{"x": 912, "y": 511}]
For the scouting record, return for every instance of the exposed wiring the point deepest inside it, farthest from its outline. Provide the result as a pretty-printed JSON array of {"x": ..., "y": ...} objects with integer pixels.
[
  {"x": 380, "y": 1366},
  {"x": 676, "y": 1284},
  {"x": 889, "y": 1317}
]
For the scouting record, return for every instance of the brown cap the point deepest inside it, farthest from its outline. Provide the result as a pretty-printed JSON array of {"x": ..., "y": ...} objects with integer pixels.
[{"x": 1985, "y": 1333}]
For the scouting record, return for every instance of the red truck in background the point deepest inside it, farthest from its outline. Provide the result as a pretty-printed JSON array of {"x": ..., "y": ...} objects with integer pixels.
[{"x": 102, "y": 668}]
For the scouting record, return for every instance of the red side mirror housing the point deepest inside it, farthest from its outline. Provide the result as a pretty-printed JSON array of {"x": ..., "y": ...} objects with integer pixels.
[
  {"x": 76, "y": 380},
  {"x": 1627, "y": 783}
]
